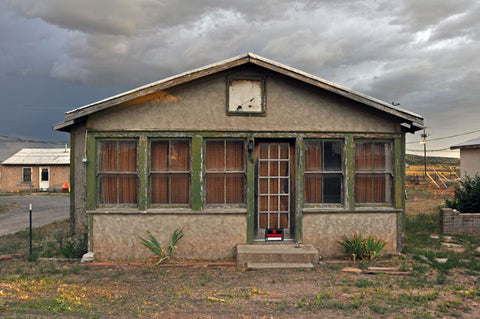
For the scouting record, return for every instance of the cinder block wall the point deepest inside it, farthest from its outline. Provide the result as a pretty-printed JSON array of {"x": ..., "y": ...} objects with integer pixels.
[{"x": 454, "y": 222}]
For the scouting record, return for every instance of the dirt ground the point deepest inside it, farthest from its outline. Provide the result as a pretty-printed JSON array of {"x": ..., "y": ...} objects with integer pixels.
[{"x": 48, "y": 289}]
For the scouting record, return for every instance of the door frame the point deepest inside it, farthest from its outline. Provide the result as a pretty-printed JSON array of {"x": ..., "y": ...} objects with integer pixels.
[{"x": 259, "y": 233}]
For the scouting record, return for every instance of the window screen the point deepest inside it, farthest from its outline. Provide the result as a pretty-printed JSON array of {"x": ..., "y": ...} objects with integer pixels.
[
  {"x": 323, "y": 172},
  {"x": 373, "y": 176},
  {"x": 225, "y": 172},
  {"x": 170, "y": 172},
  {"x": 118, "y": 172}
]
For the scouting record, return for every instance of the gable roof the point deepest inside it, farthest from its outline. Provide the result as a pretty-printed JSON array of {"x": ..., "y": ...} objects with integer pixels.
[
  {"x": 40, "y": 156},
  {"x": 413, "y": 122},
  {"x": 468, "y": 144}
]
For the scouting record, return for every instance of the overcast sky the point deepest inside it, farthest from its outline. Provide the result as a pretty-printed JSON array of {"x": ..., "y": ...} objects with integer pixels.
[{"x": 56, "y": 55}]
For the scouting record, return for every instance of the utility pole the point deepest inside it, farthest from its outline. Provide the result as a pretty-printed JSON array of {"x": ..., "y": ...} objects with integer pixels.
[{"x": 424, "y": 142}]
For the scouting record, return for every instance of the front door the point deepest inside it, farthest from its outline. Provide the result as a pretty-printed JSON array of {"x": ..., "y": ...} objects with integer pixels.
[
  {"x": 44, "y": 178},
  {"x": 274, "y": 188}
]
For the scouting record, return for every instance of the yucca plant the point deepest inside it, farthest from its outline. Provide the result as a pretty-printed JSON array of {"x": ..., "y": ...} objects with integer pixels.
[
  {"x": 153, "y": 245},
  {"x": 362, "y": 248}
]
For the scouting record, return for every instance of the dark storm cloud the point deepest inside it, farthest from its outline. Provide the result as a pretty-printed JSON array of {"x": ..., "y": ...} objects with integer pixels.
[{"x": 423, "y": 54}]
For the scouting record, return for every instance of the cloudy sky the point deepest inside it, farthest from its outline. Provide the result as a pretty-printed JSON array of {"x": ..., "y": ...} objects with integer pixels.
[{"x": 56, "y": 55}]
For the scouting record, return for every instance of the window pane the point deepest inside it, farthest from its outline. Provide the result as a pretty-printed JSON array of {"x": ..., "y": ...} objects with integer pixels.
[
  {"x": 234, "y": 188},
  {"x": 159, "y": 188},
  {"x": 332, "y": 156},
  {"x": 179, "y": 188},
  {"x": 179, "y": 156},
  {"x": 108, "y": 188},
  {"x": 159, "y": 156},
  {"x": 363, "y": 156},
  {"x": 379, "y": 156},
  {"x": 127, "y": 156},
  {"x": 127, "y": 189},
  {"x": 235, "y": 158},
  {"x": 363, "y": 188},
  {"x": 215, "y": 156},
  {"x": 332, "y": 189},
  {"x": 313, "y": 156},
  {"x": 109, "y": 156},
  {"x": 215, "y": 188},
  {"x": 379, "y": 188},
  {"x": 313, "y": 188}
]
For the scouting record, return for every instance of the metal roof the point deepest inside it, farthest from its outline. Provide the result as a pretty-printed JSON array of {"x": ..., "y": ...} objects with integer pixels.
[
  {"x": 40, "y": 156},
  {"x": 468, "y": 144},
  {"x": 413, "y": 121}
]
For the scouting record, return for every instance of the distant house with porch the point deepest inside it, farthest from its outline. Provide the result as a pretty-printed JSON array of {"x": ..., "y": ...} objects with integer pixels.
[
  {"x": 36, "y": 169},
  {"x": 245, "y": 151},
  {"x": 469, "y": 156}
]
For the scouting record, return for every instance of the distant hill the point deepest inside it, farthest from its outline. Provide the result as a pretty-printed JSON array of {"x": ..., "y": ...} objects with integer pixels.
[
  {"x": 11, "y": 145},
  {"x": 419, "y": 160}
]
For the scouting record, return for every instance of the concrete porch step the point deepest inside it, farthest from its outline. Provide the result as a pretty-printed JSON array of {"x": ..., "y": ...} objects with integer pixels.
[
  {"x": 276, "y": 255},
  {"x": 278, "y": 265}
]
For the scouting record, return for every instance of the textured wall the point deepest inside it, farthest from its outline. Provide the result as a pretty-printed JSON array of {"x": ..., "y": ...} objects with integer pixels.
[
  {"x": 324, "y": 230},
  {"x": 77, "y": 214},
  {"x": 206, "y": 236},
  {"x": 470, "y": 161},
  {"x": 454, "y": 222},
  {"x": 201, "y": 105}
]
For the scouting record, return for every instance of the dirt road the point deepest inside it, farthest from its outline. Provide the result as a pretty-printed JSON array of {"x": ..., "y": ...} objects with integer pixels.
[{"x": 45, "y": 210}]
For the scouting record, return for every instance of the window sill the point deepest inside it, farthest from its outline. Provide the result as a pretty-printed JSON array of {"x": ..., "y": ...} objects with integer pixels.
[
  {"x": 341, "y": 210},
  {"x": 166, "y": 210}
]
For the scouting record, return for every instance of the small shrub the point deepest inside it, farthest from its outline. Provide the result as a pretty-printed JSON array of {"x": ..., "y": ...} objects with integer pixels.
[
  {"x": 467, "y": 195},
  {"x": 362, "y": 248}
]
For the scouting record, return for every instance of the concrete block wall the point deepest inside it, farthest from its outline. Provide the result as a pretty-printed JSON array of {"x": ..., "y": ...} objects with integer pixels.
[{"x": 454, "y": 222}]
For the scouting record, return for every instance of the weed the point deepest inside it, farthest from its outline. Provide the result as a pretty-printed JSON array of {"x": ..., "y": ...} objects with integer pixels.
[
  {"x": 153, "y": 245},
  {"x": 362, "y": 248},
  {"x": 205, "y": 278},
  {"x": 364, "y": 283}
]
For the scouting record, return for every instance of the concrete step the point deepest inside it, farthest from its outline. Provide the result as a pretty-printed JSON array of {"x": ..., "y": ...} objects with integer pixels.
[
  {"x": 276, "y": 254},
  {"x": 278, "y": 265}
]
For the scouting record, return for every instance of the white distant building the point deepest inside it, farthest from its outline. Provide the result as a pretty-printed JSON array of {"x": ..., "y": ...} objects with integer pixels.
[{"x": 469, "y": 156}]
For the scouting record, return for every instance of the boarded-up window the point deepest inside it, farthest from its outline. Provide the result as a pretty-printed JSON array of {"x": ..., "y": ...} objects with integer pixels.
[
  {"x": 118, "y": 172},
  {"x": 26, "y": 174},
  {"x": 373, "y": 175},
  {"x": 323, "y": 172},
  {"x": 225, "y": 172},
  {"x": 170, "y": 172}
]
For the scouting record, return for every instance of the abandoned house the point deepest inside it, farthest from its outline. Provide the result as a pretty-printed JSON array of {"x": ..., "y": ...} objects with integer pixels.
[
  {"x": 244, "y": 151},
  {"x": 36, "y": 169},
  {"x": 469, "y": 157}
]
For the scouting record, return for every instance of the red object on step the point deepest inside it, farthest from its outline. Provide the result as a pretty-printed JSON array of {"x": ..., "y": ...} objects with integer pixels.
[{"x": 415, "y": 197}]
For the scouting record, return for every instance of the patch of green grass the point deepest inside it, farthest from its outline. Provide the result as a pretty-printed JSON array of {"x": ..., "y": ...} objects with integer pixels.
[{"x": 364, "y": 283}]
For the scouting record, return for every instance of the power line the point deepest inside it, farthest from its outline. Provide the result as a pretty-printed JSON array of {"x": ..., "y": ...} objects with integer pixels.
[
  {"x": 445, "y": 137},
  {"x": 440, "y": 150}
]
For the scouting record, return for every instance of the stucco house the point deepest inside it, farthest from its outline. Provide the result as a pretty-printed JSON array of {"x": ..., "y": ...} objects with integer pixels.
[
  {"x": 35, "y": 169},
  {"x": 469, "y": 156},
  {"x": 234, "y": 152}
]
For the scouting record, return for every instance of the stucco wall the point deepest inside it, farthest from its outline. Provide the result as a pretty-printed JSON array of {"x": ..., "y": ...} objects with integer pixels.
[
  {"x": 324, "y": 230},
  {"x": 470, "y": 161},
  {"x": 206, "y": 236},
  {"x": 201, "y": 105},
  {"x": 12, "y": 178},
  {"x": 79, "y": 182}
]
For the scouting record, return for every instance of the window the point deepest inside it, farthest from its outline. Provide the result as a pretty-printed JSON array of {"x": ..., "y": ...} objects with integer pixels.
[
  {"x": 26, "y": 174},
  {"x": 225, "y": 172},
  {"x": 323, "y": 172},
  {"x": 373, "y": 176},
  {"x": 118, "y": 172},
  {"x": 170, "y": 172}
]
